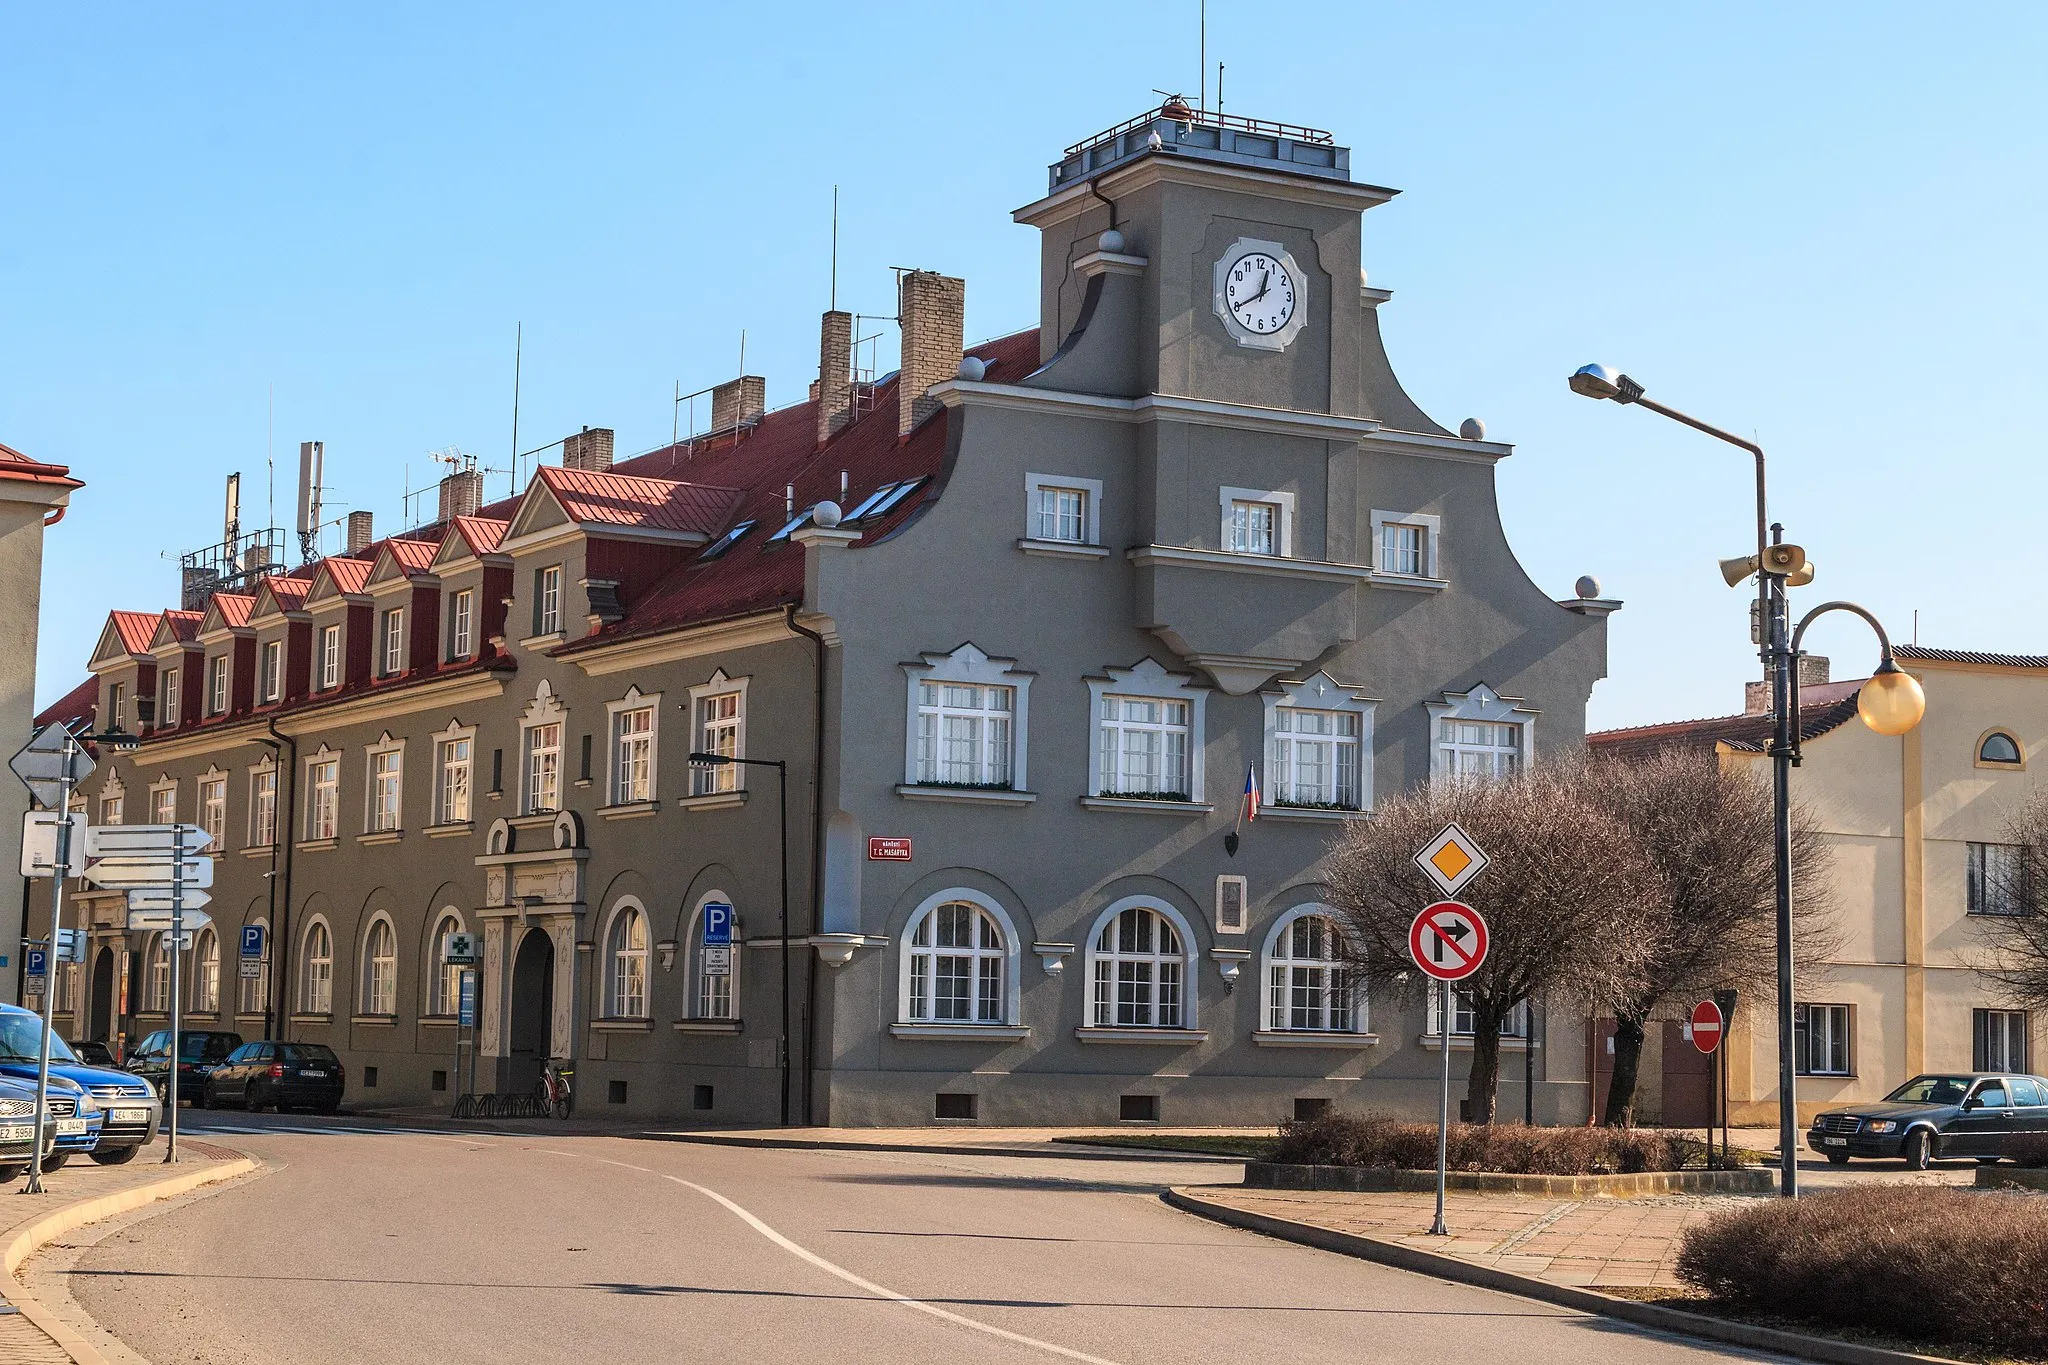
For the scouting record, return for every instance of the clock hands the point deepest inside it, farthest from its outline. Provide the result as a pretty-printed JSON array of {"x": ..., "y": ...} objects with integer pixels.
[{"x": 1265, "y": 284}]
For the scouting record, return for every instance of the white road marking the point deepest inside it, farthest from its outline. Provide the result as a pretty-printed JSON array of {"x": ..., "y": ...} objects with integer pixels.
[{"x": 813, "y": 1258}]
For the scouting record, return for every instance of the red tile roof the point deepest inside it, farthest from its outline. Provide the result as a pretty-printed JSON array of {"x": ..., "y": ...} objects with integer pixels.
[
  {"x": 184, "y": 624},
  {"x": 348, "y": 574},
  {"x": 19, "y": 468},
  {"x": 234, "y": 607},
  {"x": 481, "y": 533},
  {"x": 1747, "y": 734},
  {"x": 81, "y": 703},
  {"x": 1969, "y": 656},
  {"x": 289, "y": 592},
  {"x": 136, "y": 629},
  {"x": 413, "y": 556},
  {"x": 609, "y": 498}
]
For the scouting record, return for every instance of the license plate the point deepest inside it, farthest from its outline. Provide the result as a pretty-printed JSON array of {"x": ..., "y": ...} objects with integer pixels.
[
  {"x": 18, "y": 1132},
  {"x": 318, "y": 1075},
  {"x": 70, "y": 1127},
  {"x": 1834, "y": 1142},
  {"x": 130, "y": 1115}
]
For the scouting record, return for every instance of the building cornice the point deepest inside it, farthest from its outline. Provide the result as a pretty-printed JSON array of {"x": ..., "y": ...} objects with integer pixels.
[
  {"x": 1205, "y": 412},
  {"x": 1165, "y": 167},
  {"x": 647, "y": 651}
]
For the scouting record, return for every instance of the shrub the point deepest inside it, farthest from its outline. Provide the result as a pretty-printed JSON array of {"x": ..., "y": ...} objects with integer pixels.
[
  {"x": 1339, "y": 1139},
  {"x": 1931, "y": 1263}
]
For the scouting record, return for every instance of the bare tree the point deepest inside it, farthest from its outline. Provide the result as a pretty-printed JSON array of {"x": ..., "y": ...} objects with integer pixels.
[
  {"x": 1563, "y": 899},
  {"x": 1711, "y": 917},
  {"x": 2013, "y": 888}
]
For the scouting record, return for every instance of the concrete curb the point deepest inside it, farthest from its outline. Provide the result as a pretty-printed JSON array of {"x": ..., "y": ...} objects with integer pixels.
[
  {"x": 1073, "y": 1152},
  {"x": 1404, "y": 1257},
  {"x": 54, "y": 1225}
]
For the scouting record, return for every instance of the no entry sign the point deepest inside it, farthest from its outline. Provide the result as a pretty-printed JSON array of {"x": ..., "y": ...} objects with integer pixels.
[
  {"x": 1448, "y": 940},
  {"x": 1707, "y": 1026}
]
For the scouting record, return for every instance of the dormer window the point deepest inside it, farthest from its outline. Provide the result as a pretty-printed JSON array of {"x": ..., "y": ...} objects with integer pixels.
[
  {"x": 726, "y": 541},
  {"x": 329, "y": 663},
  {"x": 273, "y": 670},
  {"x": 168, "y": 715},
  {"x": 392, "y": 661},
  {"x": 547, "y": 600},
  {"x": 217, "y": 685},
  {"x": 462, "y": 624},
  {"x": 117, "y": 704}
]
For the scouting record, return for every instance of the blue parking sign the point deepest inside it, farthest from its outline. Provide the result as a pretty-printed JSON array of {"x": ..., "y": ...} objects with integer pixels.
[
  {"x": 252, "y": 940},
  {"x": 717, "y": 924},
  {"x": 38, "y": 962}
]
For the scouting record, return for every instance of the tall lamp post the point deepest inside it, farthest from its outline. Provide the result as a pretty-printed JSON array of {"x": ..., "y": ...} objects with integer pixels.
[
  {"x": 782, "y": 801},
  {"x": 1891, "y": 703}
]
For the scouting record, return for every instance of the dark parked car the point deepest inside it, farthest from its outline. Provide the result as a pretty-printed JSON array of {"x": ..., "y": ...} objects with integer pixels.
[
  {"x": 1965, "y": 1114},
  {"x": 285, "y": 1075},
  {"x": 94, "y": 1053},
  {"x": 198, "y": 1054}
]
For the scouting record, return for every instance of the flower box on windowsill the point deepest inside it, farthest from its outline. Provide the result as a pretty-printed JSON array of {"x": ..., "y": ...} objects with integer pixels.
[
  {"x": 1148, "y": 804},
  {"x": 939, "y": 791},
  {"x": 629, "y": 810},
  {"x": 1063, "y": 549},
  {"x": 711, "y": 1026},
  {"x": 622, "y": 1025},
  {"x": 713, "y": 801},
  {"x": 1155, "y": 1037},
  {"x": 1313, "y": 1038},
  {"x": 962, "y": 1032},
  {"x": 1280, "y": 812},
  {"x": 453, "y": 830},
  {"x": 382, "y": 836}
]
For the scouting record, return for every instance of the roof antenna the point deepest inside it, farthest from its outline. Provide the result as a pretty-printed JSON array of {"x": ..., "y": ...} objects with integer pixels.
[
  {"x": 1219, "y": 92},
  {"x": 835, "y": 248},
  {"x": 518, "y": 352},
  {"x": 1202, "y": 92}
]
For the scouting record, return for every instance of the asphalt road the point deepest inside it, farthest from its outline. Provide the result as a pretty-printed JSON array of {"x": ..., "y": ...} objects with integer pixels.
[{"x": 367, "y": 1243}]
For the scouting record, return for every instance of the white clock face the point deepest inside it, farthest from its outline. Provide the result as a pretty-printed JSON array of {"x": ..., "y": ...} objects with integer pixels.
[{"x": 1260, "y": 293}]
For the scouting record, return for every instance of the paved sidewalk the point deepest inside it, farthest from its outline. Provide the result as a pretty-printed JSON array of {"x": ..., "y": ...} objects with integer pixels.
[{"x": 21, "y": 1341}]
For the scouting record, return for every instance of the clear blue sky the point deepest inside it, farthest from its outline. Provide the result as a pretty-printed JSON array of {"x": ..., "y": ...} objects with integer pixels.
[{"x": 1819, "y": 224}]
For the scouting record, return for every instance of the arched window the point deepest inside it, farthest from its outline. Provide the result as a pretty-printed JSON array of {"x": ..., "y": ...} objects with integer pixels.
[
  {"x": 957, "y": 959},
  {"x": 317, "y": 995},
  {"x": 157, "y": 995},
  {"x": 206, "y": 972},
  {"x": 713, "y": 968},
  {"x": 626, "y": 964},
  {"x": 2000, "y": 750},
  {"x": 444, "y": 988},
  {"x": 380, "y": 968},
  {"x": 1138, "y": 972},
  {"x": 253, "y": 992},
  {"x": 1308, "y": 987}
]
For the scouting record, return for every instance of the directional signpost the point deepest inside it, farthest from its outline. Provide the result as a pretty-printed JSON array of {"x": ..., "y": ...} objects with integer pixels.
[{"x": 1448, "y": 942}]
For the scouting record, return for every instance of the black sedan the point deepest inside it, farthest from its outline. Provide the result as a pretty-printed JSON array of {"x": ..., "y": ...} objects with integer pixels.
[
  {"x": 1965, "y": 1114},
  {"x": 285, "y": 1075}
]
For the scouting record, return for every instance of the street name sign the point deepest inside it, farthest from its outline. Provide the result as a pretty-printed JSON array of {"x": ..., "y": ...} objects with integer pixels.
[
  {"x": 117, "y": 841},
  {"x": 717, "y": 924},
  {"x": 161, "y": 919},
  {"x": 142, "y": 872},
  {"x": 889, "y": 849},
  {"x": 39, "y": 843},
  {"x": 159, "y": 898},
  {"x": 1451, "y": 859},
  {"x": 463, "y": 950},
  {"x": 1707, "y": 1026},
  {"x": 1448, "y": 941},
  {"x": 40, "y": 764}
]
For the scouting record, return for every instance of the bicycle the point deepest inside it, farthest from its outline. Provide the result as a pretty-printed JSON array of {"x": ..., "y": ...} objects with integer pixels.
[{"x": 552, "y": 1091}]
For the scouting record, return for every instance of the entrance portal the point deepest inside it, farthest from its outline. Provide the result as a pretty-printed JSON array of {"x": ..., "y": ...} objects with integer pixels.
[
  {"x": 102, "y": 1027},
  {"x": 533, "y": 1010}
]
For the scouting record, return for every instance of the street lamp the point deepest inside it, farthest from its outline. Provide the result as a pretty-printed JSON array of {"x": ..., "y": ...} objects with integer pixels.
[
  {"x": 1891, "y": 703},
  {"x": 782, "y": 800}
]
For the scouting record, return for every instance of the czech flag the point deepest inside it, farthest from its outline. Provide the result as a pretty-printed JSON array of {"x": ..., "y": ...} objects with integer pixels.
[{"x": 1250, "y": 810}]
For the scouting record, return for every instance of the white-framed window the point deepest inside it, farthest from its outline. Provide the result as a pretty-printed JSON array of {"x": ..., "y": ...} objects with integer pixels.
[
  {"x": 958, "y": 962},
  {"x": 117, "y": 704},
  {"x": 462, "y": 624},
  {"x": 163, "y": 804},
  {"x": 380, "y": 968},
  {"x": 1821, "y": 1038},
  {"x": 633, "y": 746},
  {"x": 547, "y": 600},
  {"x": 323, "y": 796},
  {"x": 68, "y": 974},
  {"x": 386, "y": 787},
  {"x": 1257, "y": 522},
  {"x": 712, "y": 981},
  {"x": 206, "y": 972},
  {"x": 213, "y": 807},
  {"x": 263, "y": 807},
  {"x": 1139, "y": 970},
  {"x": 1062, "y": 509},
  {"x": 1404, "y": 544},
  {"x": 540, "y": 752},
  {"x": 1996, "y": 880},
  {"x": 392, "y": 659},
  {"x": 1999, "y": 1040},
  {"x": 1516, "y": 1025},
  {"x": 328, "y": 662},
  {"x": 1146, "y": 739},
  {"x": 1318, "y": 746},
  {"x": 1309, "y": 987},
  {"x": 966, "y": 724},
  {"x": 718, "y": 719},
  {"x": 444, "y": 979},
  {"x": 252, "y": 992},
  {"x": 156, "y": 976},
  {"x": 217, "y": 685},
  {"x": 272, "y": 673},
  {"x": 1480, "y": 734},
  {"x": 316, "y": 958},
  {"x": 111, "y": 805},
  {"x": 626, "y": 963},
  {"x": 454, "y": 773},
  {"x": 167, "y": 714}
]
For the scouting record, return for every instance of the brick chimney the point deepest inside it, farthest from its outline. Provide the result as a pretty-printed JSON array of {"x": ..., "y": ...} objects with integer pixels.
[
  {"x": 1756, "y": 696},
  {"x": 590, "y": 448},
  {"x": 461, "y": 494},
  {"x": 359, "y": 533},
  {"x": 834, "y": 389},
  {"x": 933, "y": 313},
  {"x": 738, "y": 402}
]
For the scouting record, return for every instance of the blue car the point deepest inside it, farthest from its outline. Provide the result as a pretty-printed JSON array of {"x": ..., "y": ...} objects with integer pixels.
[{"x": 81, "y": 1097}]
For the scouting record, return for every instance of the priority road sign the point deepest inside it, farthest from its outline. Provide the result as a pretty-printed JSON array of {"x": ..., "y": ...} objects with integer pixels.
[
  {"x": 142, "y": 872},
  {"x": 1448, "y": 941},
  {"x": 161, "y": 919},
  {"x": 1451, "y": 859},
  {"x": 40, "y": 764},
  {"x": 717, "y": 924},
  {"x": 1707, "y": 1026},
  {"x": 133, "y": 841},
  {"x": 159, "y": 898}
]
